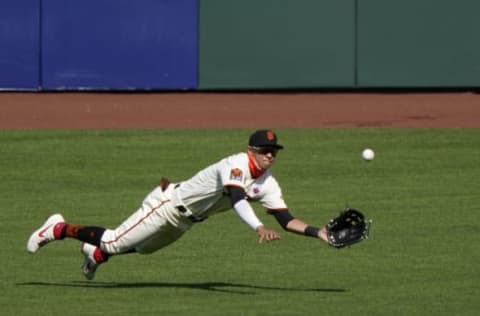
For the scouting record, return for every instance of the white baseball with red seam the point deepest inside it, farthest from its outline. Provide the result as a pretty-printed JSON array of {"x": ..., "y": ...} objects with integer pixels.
[{"x": 368, "y": 154}]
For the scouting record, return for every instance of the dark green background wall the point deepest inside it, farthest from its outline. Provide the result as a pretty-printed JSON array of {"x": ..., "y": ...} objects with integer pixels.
[
  {"x": 276, "y": 43},
  {"x": 418, "y": 43},
  {"x": 347, "y": 43}
]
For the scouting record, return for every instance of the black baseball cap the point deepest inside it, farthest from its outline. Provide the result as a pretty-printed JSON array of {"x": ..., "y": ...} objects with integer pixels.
[{"x": 264, "y": 138}]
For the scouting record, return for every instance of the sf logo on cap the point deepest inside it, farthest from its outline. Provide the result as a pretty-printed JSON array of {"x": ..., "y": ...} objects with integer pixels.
[{"x": 270, "y": 135}]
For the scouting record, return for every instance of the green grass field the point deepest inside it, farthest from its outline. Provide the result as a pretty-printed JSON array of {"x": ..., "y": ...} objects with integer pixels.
[{"x": 422, "y": 192}]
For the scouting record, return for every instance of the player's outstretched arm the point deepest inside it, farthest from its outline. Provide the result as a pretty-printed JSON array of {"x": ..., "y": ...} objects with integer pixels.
[{"x": 297, "y": 226}]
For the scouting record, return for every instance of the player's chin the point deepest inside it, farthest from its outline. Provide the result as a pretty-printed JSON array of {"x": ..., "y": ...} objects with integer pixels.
[{"x": 267, "y": 164}]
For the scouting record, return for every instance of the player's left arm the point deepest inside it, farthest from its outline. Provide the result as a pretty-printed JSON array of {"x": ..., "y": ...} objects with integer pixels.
[
  {"x": 272, "y": 200},
  {"x": 297, "y": 226}
]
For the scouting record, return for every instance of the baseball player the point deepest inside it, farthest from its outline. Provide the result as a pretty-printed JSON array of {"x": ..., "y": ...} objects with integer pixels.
[{"x": 173, "y": 208}]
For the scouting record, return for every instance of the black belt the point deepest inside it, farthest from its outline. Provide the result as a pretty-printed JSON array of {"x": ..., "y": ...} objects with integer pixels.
[
  {"x": 183, "y": 210},
  {"x": 192, "y": 218}
]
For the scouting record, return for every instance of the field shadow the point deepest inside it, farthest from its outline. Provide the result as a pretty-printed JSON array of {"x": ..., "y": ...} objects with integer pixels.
[{"x": 227, "y": 287}]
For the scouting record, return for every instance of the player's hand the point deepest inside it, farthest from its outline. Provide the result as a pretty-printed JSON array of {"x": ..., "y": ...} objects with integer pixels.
[
  {"x": 266, "y": 235},
  {"x": 323, "y": 234}
]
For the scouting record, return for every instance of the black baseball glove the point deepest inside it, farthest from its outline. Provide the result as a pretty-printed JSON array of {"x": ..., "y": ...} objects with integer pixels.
[{"x": 347, "y": 228}]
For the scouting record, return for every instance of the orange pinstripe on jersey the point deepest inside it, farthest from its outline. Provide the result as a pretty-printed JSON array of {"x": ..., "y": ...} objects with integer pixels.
[{"x": 137, "y": 223}]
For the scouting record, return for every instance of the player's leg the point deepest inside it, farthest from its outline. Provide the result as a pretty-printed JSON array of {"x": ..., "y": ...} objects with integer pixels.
[
  {"x": 94, "y": 256},
  {"x": 49, "y": 230},
  {"x": 55, "y": 228},
  {"x": 148, "y": 223},
  {"x": 139, "y": 227},
  {"x": 143, "y": 228},
  {"x": 167, "y": 235}
]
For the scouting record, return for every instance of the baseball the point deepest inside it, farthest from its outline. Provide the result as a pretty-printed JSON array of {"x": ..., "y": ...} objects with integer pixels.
[{"x": 368, "y": 154}]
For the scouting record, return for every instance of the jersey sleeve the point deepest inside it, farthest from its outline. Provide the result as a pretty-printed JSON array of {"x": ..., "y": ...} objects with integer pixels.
[
  {"x": 234, "y": 171},
  {"x": 272, "y": 198}
]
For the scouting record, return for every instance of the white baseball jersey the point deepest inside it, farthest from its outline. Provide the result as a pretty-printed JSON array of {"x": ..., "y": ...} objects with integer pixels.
[
  {"x": 204, "y": 194},
  {"x": 158, "y": 222}
]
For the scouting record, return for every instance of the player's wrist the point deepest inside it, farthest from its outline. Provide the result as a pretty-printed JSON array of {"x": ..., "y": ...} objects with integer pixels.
[
  {"x": 311, "y": 231},
  {"x": 260, "y": 229}
]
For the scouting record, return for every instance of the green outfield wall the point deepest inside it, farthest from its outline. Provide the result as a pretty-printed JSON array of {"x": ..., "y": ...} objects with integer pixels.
[
  {"x": 418, "y": 43},
  {"x": 348, "y": 43},
  {"x": 276, "y": 44}
]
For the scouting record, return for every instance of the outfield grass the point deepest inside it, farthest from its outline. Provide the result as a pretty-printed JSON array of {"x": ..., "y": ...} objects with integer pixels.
[{"x": 422, "y": 192}]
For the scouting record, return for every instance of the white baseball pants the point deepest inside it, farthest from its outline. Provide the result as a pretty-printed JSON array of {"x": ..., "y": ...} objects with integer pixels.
[{"x": 156, "y": 224}]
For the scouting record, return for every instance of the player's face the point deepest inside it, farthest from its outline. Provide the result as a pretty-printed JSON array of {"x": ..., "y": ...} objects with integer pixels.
[{"x": 264, "y": 156}]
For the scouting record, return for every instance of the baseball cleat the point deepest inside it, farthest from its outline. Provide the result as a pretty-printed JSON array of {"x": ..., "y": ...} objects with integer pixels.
[
  {"x": 45, "y": 233},
  {"x": 90, "y": 265}
]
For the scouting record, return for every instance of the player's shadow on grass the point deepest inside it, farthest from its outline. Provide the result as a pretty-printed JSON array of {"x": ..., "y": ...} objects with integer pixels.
[{"x": 207, "y": 286}]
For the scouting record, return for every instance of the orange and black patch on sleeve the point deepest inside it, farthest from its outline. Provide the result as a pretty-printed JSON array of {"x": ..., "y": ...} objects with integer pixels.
[{"x": 236, "y": 174}]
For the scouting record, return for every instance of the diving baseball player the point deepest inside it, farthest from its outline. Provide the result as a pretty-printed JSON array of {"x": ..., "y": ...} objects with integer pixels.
[{"x": 172, "y": 208}]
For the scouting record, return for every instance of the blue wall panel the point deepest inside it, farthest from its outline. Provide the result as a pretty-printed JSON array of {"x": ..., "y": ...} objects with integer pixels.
[
  {"x": 119, "y": 44},
  {"x": 19, "y": 44}
]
